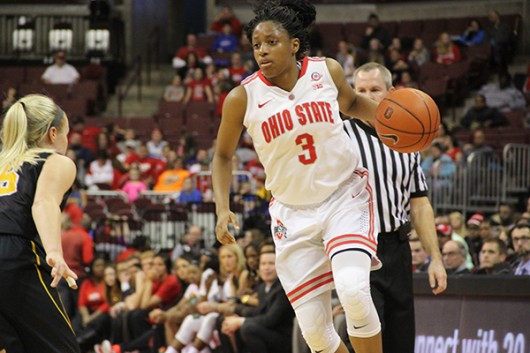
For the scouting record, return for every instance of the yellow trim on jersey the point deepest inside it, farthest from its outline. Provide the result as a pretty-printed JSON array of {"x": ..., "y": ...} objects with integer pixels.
[{"x": 34, "y": 248}]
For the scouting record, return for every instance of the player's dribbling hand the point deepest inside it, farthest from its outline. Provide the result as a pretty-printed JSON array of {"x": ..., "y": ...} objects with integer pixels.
[
  {"x": 59, "y": 270},
  {"x": 221, "y": 229}
]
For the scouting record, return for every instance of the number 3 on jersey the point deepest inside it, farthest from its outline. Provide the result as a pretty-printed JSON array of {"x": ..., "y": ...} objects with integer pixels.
[
  {"x": 8, "y": 182},
  {"x": 307, "y": 143}
]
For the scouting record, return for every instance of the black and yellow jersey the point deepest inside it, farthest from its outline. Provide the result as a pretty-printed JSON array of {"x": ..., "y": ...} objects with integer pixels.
[{"x": 17, "y": 192}]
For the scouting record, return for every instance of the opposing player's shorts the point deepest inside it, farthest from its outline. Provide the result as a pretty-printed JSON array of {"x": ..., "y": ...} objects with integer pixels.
[{"x": 307, "y": 237}]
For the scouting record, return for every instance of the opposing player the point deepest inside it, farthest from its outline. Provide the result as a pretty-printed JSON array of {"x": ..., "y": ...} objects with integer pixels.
[
  {"x": 34, "y": 178},
  {"x": 322, "y": 211}
]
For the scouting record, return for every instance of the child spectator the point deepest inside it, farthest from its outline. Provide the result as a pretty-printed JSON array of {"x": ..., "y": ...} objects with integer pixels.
[
  {"x": 175, "y": 91},
  {"x": 133, "y": 186}
]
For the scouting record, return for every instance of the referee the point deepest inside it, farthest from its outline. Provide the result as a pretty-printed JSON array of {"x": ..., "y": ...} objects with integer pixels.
[{"x": 401, "y": 197}]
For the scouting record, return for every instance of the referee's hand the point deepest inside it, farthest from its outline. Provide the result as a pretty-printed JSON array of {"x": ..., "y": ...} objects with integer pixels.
[
  {"x": 221, "y": 229},
  {"x": 437, "y": 276}
]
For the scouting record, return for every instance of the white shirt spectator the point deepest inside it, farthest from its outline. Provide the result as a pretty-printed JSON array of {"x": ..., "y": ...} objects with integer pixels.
[
  {"x": 57, "y": 75},
  {"x": 99, "y": 173}
]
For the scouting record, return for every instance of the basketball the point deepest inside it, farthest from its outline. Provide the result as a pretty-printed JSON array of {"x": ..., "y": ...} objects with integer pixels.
[{"x": 407, "y": 120}]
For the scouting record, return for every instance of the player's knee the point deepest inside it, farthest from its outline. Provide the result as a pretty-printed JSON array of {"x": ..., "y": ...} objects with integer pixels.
[
  {"x": 356, "y": 300},
  {"x": 317, "y": 329}
]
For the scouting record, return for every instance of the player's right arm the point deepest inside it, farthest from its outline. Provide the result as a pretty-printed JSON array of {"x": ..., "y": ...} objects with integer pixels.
[
  {"x": 56, "y": 177},
  {"x": 234, "y": 109}
]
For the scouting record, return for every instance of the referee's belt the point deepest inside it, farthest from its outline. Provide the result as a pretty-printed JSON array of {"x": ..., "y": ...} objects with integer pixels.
[{"x": 403, "y": 232}]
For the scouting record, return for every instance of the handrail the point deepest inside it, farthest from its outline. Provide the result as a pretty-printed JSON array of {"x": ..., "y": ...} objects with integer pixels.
[
  {"x": 152, "y": 50},
  {"x": 136, "y": 77}
]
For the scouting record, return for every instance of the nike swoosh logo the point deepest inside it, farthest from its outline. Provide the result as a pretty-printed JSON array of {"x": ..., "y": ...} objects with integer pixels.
[
  {"x": 263, "y": 104},
  {"x": 392, "y": 137},
  {"x": 358, "y": 327}
]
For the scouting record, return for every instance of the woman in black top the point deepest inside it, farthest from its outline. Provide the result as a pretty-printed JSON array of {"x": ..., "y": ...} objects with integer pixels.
[{"x": 35, "y": 177}]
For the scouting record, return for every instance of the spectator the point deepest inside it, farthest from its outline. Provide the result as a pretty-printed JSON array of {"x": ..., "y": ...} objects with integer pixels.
[
  {"x": 473, "y": 238},
  {"x": 10, "y": 99},
  {"x": 521, "y": 243},
  {"x": 173, "y": 178},
  {"x": 268, "y": 326},
  {"x": 189, "y": 193},
  {"x": 226, "y": 41},
  {"x": 226, "y": 15},
  {"x": 473, "y": 35},
  {"x": 191, "y": 244},
  {"x": 458, "y": 222},
  {"x": 504, "y": 96},
  {"x": 478, "y": 145},
  {"x": 91, "y": 302},
  {"x": 236, "y": 70},
  {"x": 493, "y": 258},
  {"x": 452, "y": 148},
  {"x": 454, "y": 258},
  {"x": 60, "y": 73},
  {"x": 134, "y": 186},
  {"x": 445, "y": 52},
  {"x": 175, "y": 91},
  {"x": 156, "y": 144},
  {"x": 346, "y": 58},
  {"x": 445, "y": 233},
  {"x": 505, "y": 216},
  {"x": 187, "y": 71},
  {"x": 396, "y": 64},
  {"x": 196, "y": 331},
  {"x": 502, "y": 41},
  {"x": 88, "y": 133},
  {"x": 405, "y": 80},
  {"x": 150, "y": 168},
  {"x": 198, "y": 89},
  {"x": 100, "y": 174},
  {"x": 439, "y": 167},
  {"x": 375, "y": 52},
  {"x": 375, "y": 30},
  {"x": 130, "y": 141},
  {"x": 83, "y": 155},
  {"x": 420, "y": 258},
  {"x": 160, "y": 289},
  {"x": 481, "y": 115},
  {"x": 78, "y": 252},
  {"x": 180, "y": 59},
  {"x": 419, "y": 54}
]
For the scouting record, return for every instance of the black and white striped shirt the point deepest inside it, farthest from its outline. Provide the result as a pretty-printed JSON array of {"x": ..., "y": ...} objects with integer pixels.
[{"x": 395, "y": 177}]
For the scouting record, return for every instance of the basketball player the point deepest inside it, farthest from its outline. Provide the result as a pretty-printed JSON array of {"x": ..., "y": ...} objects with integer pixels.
[
  {"x": 400, "y": 194},
  {"x": 322, "y": 213},
  {"x": 34, "y": 179}
]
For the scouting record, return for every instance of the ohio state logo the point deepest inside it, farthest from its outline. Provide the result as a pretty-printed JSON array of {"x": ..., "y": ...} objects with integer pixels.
[
  {"x": 280, "y": 231},
  {"x": 315, "y": 76}
]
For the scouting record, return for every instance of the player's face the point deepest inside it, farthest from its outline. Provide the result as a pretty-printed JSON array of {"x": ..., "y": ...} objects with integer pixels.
[
  {"x": 274, "y": 51},
  {"x": 60, "y": 143},
  {"x": 371, "y": 84}
]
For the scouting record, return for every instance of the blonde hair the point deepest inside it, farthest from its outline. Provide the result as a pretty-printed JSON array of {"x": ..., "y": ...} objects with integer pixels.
[
  {"x": 25, "y": 126},
  {"x": 241, "y": 260}
]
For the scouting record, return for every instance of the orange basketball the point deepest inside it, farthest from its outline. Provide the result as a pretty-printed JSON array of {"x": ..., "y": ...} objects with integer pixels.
[{"x": 407, "y": 120}]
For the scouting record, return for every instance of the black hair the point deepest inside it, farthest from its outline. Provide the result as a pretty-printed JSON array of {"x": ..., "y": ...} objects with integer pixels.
[{"x": 295, "y": 16}]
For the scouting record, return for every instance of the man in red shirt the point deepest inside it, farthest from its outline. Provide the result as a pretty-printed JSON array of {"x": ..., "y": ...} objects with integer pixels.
[{"x": 150, "y": 168}]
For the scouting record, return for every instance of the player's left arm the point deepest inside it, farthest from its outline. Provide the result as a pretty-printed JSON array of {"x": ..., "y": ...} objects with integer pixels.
[
  {"x": 422, "y": 217},
  {"x": 350, "y": 103}
]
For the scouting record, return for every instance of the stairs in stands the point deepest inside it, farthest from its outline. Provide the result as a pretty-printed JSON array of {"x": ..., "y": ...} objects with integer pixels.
[{"x": 151, "y": 93}]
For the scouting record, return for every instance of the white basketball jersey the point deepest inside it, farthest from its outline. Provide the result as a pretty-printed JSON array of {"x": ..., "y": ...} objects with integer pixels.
[{"x": 299, "y": 136}]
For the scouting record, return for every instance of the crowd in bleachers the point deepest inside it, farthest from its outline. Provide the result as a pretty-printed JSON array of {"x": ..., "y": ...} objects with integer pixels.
[{"x": 192, "y": 296}]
